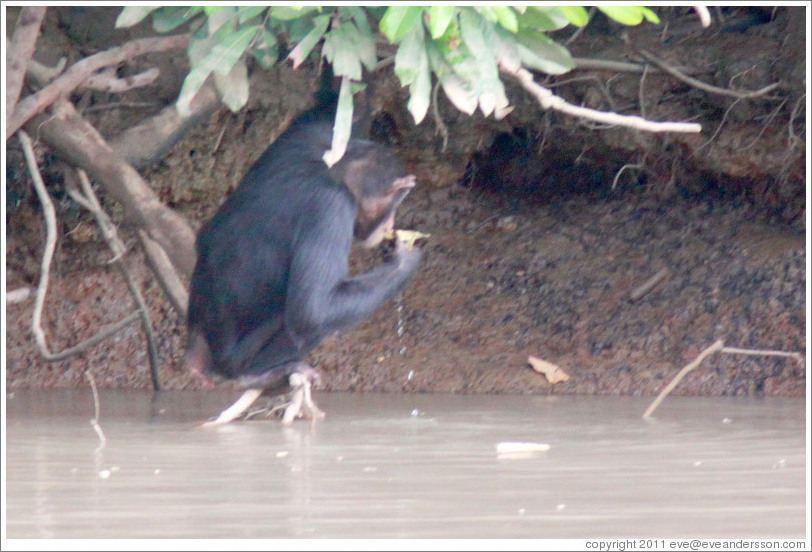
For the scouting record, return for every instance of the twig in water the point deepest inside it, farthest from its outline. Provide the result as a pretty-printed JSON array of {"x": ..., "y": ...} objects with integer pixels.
[
  {"x": 716, "y": 347},
  {"x": 94, "y": 422},
  {"x": 719, "y": 346}
]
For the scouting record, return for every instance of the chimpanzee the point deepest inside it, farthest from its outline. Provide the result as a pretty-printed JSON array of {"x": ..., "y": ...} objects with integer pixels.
[{"x": 271, "y": 278}]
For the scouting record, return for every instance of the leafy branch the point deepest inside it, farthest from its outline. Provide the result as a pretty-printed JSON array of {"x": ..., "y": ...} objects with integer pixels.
[{"x": 466, "y": 49}]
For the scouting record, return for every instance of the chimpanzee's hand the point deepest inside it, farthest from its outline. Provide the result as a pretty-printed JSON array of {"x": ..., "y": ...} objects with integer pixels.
[{"x": 407, "y": 254}]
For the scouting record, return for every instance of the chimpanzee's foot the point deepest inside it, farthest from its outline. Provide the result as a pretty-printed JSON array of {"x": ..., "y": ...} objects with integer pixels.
[
  {"x": 301, "y": 403},
  {"x": 235, "y": 410}
]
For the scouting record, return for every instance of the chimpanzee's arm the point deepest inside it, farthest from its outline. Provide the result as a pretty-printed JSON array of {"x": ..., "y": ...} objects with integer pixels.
[{"x": 321, "y": 299}]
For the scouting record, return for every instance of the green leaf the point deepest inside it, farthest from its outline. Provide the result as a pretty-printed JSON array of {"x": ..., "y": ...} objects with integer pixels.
[
  {"x": 132, "y": 15},
  {"x": 398, "y": 20},
  {"x": 246, "y": 13},
  {"x": 233, "y": 86},
  {"x": 439, "y": 19},
  {"x": 650, "y": 16},
  {"x": 228, "y": 51},
  {"x": 488, "y": 12},
  {"x": 543, "y": 18},
  {"x": 359, "y": 16},
  {"x": 225, "y": 16},
  {"x": 166, "y": 19},
  {"x": 479, "y": 69},
  {"x": 538, "y": 51},
  {"x": 340, "y": 51},
  {"x": 363, "y": 41},
  {"x": 505, "y": 48},
  {"x": 507, "y": 18},
  {"x": 577, "y": 15},
  {"x": 420, "y": 91},
  {"x": 457, "y": 90},
  {"x": 267, "y": 51},
  {"x": 408, "y": 56},
  {"x": 211, "y": 10},
  {"x": 306, "y": 45},
  {"x": 343, "y": 124},
  {"x": 413, "y": 69},
  {"x": 629, "y": 15},
  {"x": 221, "y": 58},
  {"x": 287, "y": 13}
]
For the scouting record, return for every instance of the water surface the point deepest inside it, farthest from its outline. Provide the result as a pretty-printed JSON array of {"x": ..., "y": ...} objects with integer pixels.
[{"x": 404, "y": 466}]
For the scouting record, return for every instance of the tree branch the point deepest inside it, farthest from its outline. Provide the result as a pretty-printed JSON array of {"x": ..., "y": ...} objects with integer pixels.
[
  {"x": 701, "y": 85},
  {"x": 151, "y": 139},
  {"x": 110, "y": 83},
  {"x": 548, "y": 100},
  {"x": 78, "y": 142},
  {"x": 48, "y": 254},
  {"x": 19, "y": 52},
  {"x": 89, "y": 201},
  {"x": 79, "y": 72}
]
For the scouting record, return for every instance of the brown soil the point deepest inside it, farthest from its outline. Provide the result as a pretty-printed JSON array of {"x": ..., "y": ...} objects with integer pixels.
[
  {"x": 552, "y": 281},
  {"x": 507, "y": 273}
]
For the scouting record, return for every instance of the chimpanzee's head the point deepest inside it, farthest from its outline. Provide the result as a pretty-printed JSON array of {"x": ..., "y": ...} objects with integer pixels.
[{"x": 377, "y": 180}]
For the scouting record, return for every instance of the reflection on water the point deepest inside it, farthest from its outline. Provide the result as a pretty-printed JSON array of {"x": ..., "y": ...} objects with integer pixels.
[{"x": 397, "y": 466}]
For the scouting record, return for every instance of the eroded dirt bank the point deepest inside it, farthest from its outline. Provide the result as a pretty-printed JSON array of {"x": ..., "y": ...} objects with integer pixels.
[
  {"x": 540, "y": 260},
  {"x": 553, "y": 281}
]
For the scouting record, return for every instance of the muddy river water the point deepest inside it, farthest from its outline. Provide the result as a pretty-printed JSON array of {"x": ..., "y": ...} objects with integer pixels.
[{"x": 404, "y": 466}]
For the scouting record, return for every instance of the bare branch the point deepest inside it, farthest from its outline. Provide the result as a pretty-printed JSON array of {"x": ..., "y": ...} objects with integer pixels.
[
  {"x": 110, "y": 83},
  {"x": 548, "y": 100},
  {"x": 78, "y": 142},
  {"x": 701, "y": 85},
  {"x": 151, "y": 139},
  {"x": 81, "y": 70},
  {"x": 704, "y": 15},
  {"x": 715, "y": 348},
  {"x": 47, "y": 257},
  {"x": 165, "y": 272},
  {"x": 19, "y": 52},
  {"x": 42, "y": 74},
  {"x": 109, "y": 232},
  {"x": 719, "y": 346}
]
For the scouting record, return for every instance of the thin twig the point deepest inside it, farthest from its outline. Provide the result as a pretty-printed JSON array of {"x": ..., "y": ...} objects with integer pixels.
[
  {"x": 641, "y": 96},
  {"x": 764, "y": 127},
  {"x": 110, "y": 235},
  {"x": 704, "y": 15},
  {"x": 719, "y": 346},
  {"x": 623, "y": 168},
  {"x": 45, "y": 268},
  {"x": 580, "y": 29},
  {"x": 94, "y": 422},
  {"x": 548, "y": 100},
  {"x": 716, "y": 347},
  {"x": 764, "y": 352},
  {"x": 19, "y": 51},
  {"x": 792, "y": 140},
  {"x": 701, "y": 85},
  {"x": 108, "y": 82}
]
